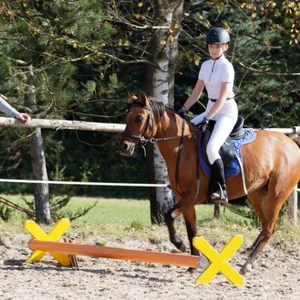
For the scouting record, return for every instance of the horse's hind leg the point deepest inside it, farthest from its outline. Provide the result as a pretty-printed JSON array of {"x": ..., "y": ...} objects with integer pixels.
[{"x": 267, "y": 208}]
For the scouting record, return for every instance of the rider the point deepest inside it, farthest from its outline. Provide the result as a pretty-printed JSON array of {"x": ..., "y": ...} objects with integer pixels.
[{"x": 217, "y": 77}]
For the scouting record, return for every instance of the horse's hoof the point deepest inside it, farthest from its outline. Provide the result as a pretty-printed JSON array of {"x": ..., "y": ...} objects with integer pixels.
[
  {"x": 179, "y": 244},
  {"x": 246, "y": 269},
  {"x": 181, "y": 247},
  {"x": 191, "y": 270}
]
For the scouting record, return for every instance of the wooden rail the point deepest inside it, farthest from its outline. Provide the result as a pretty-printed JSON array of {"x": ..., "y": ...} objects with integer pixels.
[
  {"x": 113, "y": 127},
  {"x": 63, "y": 124},
  {"x": 94, "y": 126}
]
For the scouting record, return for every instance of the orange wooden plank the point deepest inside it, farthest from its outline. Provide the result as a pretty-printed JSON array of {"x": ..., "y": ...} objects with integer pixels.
[{"x": 116, "y": 253}]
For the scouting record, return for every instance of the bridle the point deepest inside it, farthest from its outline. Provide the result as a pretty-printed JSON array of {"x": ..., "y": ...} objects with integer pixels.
[
  {"x": 150, "y": 120},
  {"x": 143, "y": 140}
]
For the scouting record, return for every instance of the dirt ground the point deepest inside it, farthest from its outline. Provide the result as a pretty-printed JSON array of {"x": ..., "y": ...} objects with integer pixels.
[{"x": 276, "y": 276}]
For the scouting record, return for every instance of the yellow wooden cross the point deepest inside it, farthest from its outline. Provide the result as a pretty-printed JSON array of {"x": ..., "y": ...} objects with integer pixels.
[
  {"x": 54, "y": 235},
  {"x": 219, "y": 261}
]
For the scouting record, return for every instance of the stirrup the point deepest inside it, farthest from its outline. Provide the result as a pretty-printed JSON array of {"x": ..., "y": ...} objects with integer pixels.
[
  {"x": 216, "y": 198},
  {"x": 219, "y": 196}
]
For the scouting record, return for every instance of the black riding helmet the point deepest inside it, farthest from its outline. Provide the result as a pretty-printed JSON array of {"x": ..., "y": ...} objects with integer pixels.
[{"x": 217, "y": 35}]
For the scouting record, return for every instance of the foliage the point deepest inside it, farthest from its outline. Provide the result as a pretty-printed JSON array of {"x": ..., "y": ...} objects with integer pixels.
[
  {"x": 247, "y": 213},
  {"x": 262, "y": 51},
  {"x": 249, "y": 216},
  {"x": 57, "y": 208},
  {"x": 74, "y": 80},
  {"x": 59, "y": 201},
  {"x": 86, "y": 55},
  {"x": 6, "y": 213}
]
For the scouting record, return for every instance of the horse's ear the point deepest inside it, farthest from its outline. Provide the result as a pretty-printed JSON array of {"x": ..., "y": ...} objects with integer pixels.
[
  {"x": 144, "y": 98},
  {"x": 132, "y": 97}
]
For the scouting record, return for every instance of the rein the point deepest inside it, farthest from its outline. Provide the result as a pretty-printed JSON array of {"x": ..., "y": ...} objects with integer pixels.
[
  {"x": 153, "y": 140},
  {"x": 143, "y": 140}
]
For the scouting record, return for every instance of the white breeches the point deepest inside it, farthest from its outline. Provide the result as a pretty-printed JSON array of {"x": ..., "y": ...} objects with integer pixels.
[{"x": 225, "y": 121}]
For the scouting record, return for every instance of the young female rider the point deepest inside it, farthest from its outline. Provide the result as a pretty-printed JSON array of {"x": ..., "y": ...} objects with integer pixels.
[{"x": 217, "y": 76}]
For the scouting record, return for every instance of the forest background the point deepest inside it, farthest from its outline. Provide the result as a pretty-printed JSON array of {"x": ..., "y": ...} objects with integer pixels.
[{"x": 77, "y": 60}]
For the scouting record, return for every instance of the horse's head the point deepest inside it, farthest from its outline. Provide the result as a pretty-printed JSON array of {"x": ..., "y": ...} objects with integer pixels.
[{"x": 140, "y": 122}]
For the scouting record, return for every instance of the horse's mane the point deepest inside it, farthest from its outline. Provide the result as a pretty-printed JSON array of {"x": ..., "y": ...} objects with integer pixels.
[{"x": 159, "y": 108}]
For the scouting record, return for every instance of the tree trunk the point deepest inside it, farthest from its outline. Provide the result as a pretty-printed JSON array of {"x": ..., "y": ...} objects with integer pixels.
[
  {"x": 38, "y": 161},
  {"x": 164, "y": 55}
]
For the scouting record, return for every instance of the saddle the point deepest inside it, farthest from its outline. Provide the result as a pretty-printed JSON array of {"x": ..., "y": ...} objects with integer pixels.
[{"x": 227, "y": 152}]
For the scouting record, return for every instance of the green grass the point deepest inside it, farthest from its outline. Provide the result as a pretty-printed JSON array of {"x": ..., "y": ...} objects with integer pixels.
[
  {"x": 118, "y": 211},
  {"x": 117, "y": 218},
  {"x": 112, "y": 211}
]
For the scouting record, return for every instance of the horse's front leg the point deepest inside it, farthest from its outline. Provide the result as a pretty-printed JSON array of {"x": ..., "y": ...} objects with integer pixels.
[
  {"x": 190, "y": 223},
  {"x": 191, "y": 227},
  {"x": 169, "y": 219}
]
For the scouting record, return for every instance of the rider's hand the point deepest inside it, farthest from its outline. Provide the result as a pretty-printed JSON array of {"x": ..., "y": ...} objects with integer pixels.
[
  {"x": 182, "y": 112},
  {"x": 203, "y": 125},
  {"x": 25, "y": 118}
]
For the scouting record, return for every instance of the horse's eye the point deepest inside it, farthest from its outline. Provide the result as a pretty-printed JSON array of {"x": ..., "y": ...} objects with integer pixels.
[{"x": 139, "y": 119}]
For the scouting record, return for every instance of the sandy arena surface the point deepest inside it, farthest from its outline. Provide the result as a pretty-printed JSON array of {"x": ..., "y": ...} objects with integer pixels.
[{"x": 276, "y": 275}]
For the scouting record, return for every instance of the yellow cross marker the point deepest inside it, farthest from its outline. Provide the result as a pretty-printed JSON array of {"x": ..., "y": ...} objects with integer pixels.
[
  {"x": 54, "y": 235},
  {"x": 219, "y": 261}
]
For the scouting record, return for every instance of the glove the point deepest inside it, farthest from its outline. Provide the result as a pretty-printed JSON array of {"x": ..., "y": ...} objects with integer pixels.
[
  {"x": 182, "y": 112},
  {"x": 203, "y": 125}
]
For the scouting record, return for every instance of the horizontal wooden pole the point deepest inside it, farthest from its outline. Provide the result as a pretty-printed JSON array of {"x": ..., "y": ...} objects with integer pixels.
[
  {"x": 63, "y": 124},
  {"x": 116, "y": 253},
  {"x": 292, "y": 130},
  {"x": 94, "y": 126},
  {"x": 83, "y": 183}
]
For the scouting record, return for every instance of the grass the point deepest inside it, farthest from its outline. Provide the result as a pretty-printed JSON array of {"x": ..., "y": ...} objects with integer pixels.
[{"x": 119, "y": 217}]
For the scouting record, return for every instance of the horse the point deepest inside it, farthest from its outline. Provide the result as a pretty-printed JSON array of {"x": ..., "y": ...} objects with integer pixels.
[{"x": 271, "y": 166}]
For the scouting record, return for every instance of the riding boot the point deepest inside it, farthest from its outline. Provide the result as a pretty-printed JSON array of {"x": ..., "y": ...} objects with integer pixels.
[{"x": 218, "y": 191}]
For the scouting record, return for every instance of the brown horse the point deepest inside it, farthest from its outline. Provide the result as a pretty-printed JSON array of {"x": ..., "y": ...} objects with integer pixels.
[{"x": 271, "y": 169}]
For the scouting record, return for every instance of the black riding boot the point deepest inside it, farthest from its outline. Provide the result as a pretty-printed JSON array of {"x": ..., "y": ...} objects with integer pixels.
[{"x": 218, "y": 191}]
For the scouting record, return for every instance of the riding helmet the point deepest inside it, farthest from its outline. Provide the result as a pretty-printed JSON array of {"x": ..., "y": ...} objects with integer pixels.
[{"x": 217, "y": 35}]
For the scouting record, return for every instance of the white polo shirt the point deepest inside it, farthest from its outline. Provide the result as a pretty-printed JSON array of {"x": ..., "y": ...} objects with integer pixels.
[{"x": 214, "y": 73}]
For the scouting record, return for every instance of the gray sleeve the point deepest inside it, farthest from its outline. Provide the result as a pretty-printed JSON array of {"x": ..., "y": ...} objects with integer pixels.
[{"x": 7, "y": 108}]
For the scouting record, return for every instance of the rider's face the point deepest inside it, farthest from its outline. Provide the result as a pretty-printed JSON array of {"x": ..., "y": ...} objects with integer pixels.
[{"x": 216, "y": 50}]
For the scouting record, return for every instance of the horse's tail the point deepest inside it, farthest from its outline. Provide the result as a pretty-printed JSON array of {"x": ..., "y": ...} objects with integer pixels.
[{"x": 297, "y": 141}]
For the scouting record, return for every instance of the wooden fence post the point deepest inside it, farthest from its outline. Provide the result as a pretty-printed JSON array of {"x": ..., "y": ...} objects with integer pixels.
[{"x": 293, "y": 205}]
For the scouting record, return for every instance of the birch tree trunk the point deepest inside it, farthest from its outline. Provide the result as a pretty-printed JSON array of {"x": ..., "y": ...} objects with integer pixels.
[
  {"x": 164, "y": 51},
  {"x": 38, "y": 161}
]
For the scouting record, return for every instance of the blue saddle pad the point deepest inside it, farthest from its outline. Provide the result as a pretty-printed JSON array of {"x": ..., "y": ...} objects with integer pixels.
[{"x": 234, "y": 167}]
